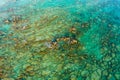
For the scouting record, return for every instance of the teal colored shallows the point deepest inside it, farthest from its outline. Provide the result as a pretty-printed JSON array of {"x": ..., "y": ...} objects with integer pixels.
[
  {"x": 60, "y": 40},
  {"x": 91, "y": 40}
]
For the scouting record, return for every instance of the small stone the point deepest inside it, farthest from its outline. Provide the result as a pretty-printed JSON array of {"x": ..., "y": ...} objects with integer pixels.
[
  {"x": 42, "y": 48},
  {"x": 54, "y": 78},
  {"x": 59, "y": 67},
  {"x": 29, "y": 68},
  {"x": 45, "y": 73},
  {"x": 95, "y": 76},
  {"x": 118, "y": 47},
  {"x": 105, "y": 73},
  {"x": 84, "y": 73},
  {"x": 73, "y": 77},
  {"x": 38, "y": 39},
  {"x": 8, "y": 79},
  {"x": 117, "y": 75},
  {"x": 99, "y": 71},
  {"x": 7, "y": 21},
  {"x": 1, "y": 63},
  {"x": 111, "y": 77},
  {"x": 24, "y": 66},
  {"x": 34, "y": 62},
  {"x": 113, "y": 55},
  {"x": 88, "y": 78},
  {"x": 107, "y": 58}
]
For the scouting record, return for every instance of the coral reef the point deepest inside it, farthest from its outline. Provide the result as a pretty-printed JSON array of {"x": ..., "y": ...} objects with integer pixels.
[{"x": 60, "y": 40}]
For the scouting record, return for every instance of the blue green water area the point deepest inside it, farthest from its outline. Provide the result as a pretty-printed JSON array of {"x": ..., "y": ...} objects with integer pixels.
[{"x": 60, "y": 40}]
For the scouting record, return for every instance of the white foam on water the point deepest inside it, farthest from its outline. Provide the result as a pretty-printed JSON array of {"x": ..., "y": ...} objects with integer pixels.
[{"x": 3, "y": 2}]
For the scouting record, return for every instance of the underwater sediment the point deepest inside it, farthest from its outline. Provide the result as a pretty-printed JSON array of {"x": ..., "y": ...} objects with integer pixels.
[{"x": 60, "y": 40}]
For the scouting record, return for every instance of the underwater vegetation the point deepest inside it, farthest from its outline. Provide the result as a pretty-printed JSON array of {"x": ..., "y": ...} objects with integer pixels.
[{"x": 60, "y": 40}]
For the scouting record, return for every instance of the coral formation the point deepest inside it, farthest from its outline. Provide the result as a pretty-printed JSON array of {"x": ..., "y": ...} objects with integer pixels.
[{"x": 60, "y": 40}]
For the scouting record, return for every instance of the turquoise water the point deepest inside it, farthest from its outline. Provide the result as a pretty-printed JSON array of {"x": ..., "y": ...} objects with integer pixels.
[{"x": 60, "y": 40}]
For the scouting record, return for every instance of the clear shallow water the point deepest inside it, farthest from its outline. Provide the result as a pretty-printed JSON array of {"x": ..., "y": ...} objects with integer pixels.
[{"x": 60, "y": 40}]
